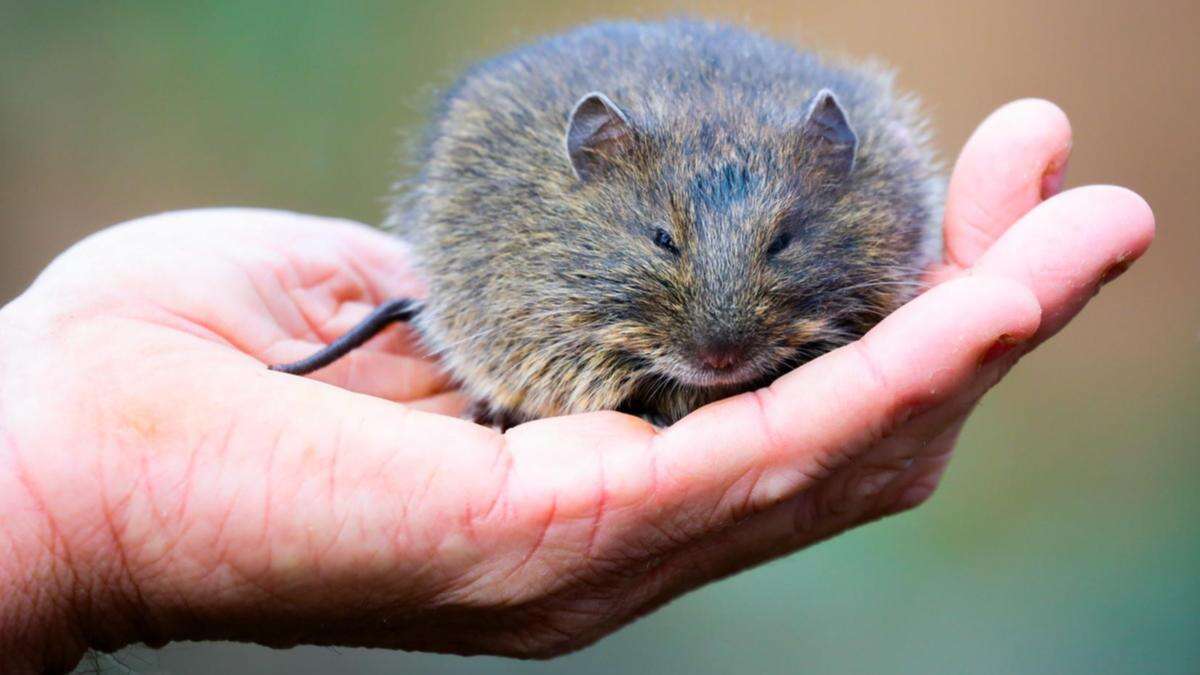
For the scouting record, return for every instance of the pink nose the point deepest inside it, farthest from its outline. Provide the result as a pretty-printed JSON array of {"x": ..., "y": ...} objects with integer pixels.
[{"x": 720, "y": 356}]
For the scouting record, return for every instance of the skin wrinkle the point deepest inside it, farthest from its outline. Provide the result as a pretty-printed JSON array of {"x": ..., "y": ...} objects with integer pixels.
[
  {"x": 182, "y": 525},
  {"x": 120, "y": 582},
  {"x": 153, "y": 501},
  {"x": 900, "y": 407},
  {"x": 601, "y": 505},
  {"x": 875, "y": 376},
  {"x": 169, "y": 316},
  {"x": 802, "y": 481},
  {"x": 651, "y": 455},
  {"x": 504, "y": 459},
  {"x": 666, "y": 535},
  {"x": 220, "y": 544},
  {"x": 331, "y": 494},
  {"x": 803, "y": 517},
  {"x": 340, "y": 296},
  {"x": 654, "y": 493},
  {"x": 887, "y": 500},
  {"x": 272, "y": 449},
  {"x": 544, "y": 529},
  {"x": 951, "y": 251},
  {"x": 912, "y": 446},
  {"x": 317, "y": 326},
  {"x": 399, "y": 534},
  {"x": 111, "y": 512},
  {"x": 825, "y": 467},
  {"x": 891, "y": 475},
  {"x": 725, "y": 508},
  {"x": 208, "y": 334},
  {"x": 682, "y": 569},
  {"x": 436, "y": 538},
  {"x": 564, "y": 574},
  {"x": 290, "y": 278},
  {"x": 187, "y": 483},
  {"x": 58, "y": 554},
  {"x": 403, "y": 503},
  {"x": 283, "y": 290},
  {"x": 360, "y": 278},
  {"x": 764, "y": 399},
  {"x": 225, "y": 561}
]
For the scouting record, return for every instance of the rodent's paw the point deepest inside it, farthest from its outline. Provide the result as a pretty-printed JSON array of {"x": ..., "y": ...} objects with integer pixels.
[{"x": 484, "y": 413}]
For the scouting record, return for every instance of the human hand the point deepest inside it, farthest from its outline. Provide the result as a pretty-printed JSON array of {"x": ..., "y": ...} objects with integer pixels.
[{"x": 158, "y": 483}]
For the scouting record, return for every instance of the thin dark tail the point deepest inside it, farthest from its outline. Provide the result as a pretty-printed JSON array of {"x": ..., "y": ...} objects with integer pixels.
[{"x": 390, "y": 312}]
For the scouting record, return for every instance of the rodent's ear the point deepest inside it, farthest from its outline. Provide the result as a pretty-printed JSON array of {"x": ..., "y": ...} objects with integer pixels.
[
  {"x": 597, "y": 133},
  {"x": 829, "y": 142}
]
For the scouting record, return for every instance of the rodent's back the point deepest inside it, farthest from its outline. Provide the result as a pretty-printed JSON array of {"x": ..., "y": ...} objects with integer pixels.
[{"x": 527, "y": 265}]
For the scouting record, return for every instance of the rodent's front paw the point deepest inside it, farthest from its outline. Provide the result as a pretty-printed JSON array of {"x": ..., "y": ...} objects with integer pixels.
[{"x": 484, "y": 413}]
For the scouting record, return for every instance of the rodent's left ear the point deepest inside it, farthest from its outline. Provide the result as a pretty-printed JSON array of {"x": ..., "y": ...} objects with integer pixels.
[
  {"x": 828, "y": 141},
  {"x": 597, "y": 133}
]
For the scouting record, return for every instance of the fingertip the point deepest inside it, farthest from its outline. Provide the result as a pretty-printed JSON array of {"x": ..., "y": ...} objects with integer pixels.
[
  {"x": 1112, "y": 215},
  {"x": 1130, "y": 212},
  {"x": 1035, "y": 123},
  {"x": 1069, "y": 246},
  {"x": 1041, "y": 114}
]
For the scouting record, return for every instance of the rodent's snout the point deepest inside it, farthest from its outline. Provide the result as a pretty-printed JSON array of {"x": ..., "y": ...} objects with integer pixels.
[
  {"x": 712, "y": 360},
  {"x": 719, "y": 354}
]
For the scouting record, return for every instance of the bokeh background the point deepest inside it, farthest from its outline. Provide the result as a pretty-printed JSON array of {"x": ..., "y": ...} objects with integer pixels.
[{"x": 1066, "y": 537}]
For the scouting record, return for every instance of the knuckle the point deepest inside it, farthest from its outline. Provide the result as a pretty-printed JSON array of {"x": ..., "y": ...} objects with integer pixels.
[{"x": 876, "y": 385}]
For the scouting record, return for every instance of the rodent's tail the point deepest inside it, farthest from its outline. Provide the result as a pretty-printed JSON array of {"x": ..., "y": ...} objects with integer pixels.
[{"x": 390, "y": 312}]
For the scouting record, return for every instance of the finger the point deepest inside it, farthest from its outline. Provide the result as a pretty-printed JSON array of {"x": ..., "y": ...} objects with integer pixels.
[
  {"x": 384, "y": 260},
  {"x": 744, "y": 454},
  {"x": 379, "y": 263},
  {"x": 1014, "y": 160},
  {"x": 259, "y": 276},
  {"x": 336, "y": 272},
  {"x": 1067, "y": 247},
  {"x": 843, "y": 501}
]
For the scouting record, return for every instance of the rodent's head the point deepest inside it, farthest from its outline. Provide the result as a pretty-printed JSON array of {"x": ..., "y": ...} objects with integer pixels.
[{"x": 720, "y": 254}]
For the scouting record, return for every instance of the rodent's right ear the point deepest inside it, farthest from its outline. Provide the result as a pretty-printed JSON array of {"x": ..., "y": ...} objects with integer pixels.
[{"x": 597, "y": 133}]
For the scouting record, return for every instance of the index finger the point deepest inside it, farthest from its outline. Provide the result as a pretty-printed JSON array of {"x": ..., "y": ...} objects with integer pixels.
[{"x": 747, "y": 453}]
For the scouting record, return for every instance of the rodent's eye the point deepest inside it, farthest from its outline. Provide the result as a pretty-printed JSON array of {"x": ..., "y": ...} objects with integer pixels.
[
  {"x": 663, "y": 240},
  {"x": 781, "y": 241}
]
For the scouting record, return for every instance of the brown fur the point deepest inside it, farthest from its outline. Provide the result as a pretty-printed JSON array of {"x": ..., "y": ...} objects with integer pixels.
[{"x": 547, "y": 293}]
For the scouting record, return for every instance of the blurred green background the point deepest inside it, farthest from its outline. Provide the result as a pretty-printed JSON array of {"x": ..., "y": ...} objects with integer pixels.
[{"x": 1066, "y": 537}]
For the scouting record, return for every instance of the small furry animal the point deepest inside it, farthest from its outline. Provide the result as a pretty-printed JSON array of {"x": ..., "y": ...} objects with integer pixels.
[{"x": 648, "y": 217}]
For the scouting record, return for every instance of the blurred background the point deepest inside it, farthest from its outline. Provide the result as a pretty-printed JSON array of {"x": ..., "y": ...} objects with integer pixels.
[{"x": 1066, "y": 537}]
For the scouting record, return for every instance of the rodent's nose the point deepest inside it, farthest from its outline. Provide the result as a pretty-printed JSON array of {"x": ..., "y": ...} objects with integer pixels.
[{"x": 720, "y": 355}]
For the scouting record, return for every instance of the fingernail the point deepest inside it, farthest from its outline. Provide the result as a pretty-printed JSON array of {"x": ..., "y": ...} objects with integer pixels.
[
  {"x": 1054, "y": 177},
  {"x": 1003, "y": 345}
]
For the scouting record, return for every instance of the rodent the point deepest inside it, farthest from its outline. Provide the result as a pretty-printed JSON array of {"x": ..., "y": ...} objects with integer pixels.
[{"x": 648, "y": 217}]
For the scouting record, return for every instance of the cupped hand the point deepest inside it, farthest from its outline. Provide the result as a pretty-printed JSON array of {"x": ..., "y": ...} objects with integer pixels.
[{"x": 157, "y": 482}]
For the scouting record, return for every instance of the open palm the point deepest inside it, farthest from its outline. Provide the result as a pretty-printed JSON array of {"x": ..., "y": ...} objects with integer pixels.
[{"x": 210, "y": 497}]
